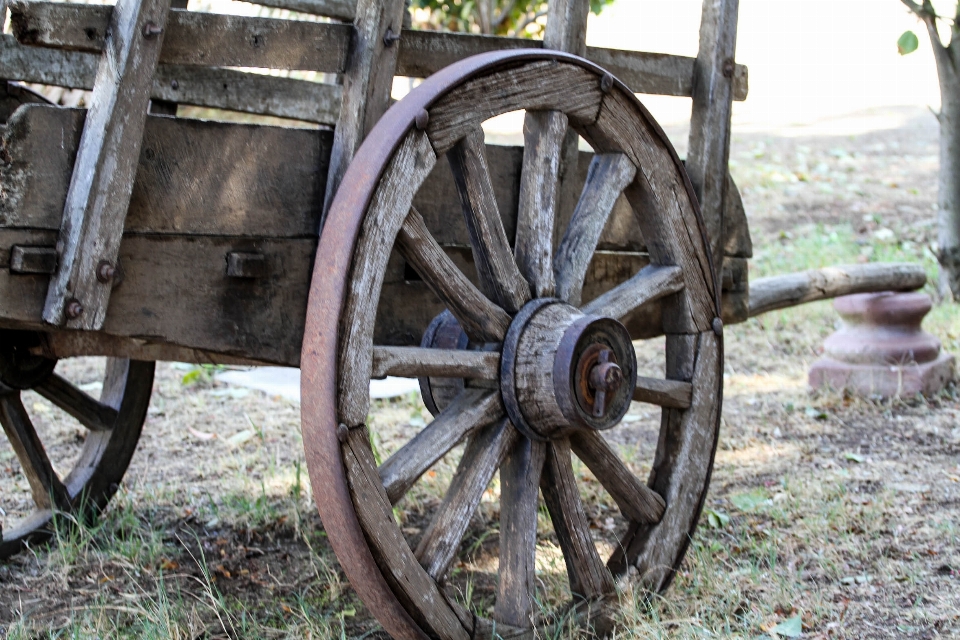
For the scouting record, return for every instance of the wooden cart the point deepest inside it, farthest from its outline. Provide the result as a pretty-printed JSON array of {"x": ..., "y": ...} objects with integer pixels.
[{"x": 147, "y": 237}]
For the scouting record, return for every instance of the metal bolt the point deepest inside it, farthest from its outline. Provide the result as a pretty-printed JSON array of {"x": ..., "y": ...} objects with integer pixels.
[
  {"x": 390, "y": 37},
  {"x": 606, "y": 83},
  {"x": 728, "y": 67},
  {"x": 74, "y": 309},
  {"x": 174, "y": 85},
  {"x": 718, "y": 326},
  {"x": 105, "y": 271},
  {"x": 152, "y": 30},
  {"x": 342, "y": 432},
  {"x": 423, "y": 119},
  {"x": 605, "y": 377}
]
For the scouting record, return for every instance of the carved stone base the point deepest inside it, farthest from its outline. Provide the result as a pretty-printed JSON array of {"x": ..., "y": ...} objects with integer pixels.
[{"x": 881, "y": 350}]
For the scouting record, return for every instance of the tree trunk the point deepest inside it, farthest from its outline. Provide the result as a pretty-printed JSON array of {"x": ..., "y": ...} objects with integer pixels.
[{"x": 948, "y": 68}]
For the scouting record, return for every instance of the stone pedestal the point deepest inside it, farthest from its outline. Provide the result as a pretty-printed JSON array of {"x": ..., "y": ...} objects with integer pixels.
[{"x": 881, "y": 349}]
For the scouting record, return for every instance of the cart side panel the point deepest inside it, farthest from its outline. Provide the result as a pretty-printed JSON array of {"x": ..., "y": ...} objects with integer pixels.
[{"x": 205, "y": 190}]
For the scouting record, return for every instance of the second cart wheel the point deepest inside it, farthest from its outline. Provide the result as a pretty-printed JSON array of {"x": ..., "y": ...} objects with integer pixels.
[
  {"x": 73, "y": 463},
  {"x": 545, "y": 374}
]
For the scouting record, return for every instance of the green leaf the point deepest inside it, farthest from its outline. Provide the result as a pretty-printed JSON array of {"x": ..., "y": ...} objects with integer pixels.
[
  {"x": 748, "y": 501},
  {"x": 191, "y": 377},
  {"x": 789, "y": 628},
  {"x": 717, "y": 519},
  {"x": 907, "y": 43},
  {"x": 854, "y": 457}
]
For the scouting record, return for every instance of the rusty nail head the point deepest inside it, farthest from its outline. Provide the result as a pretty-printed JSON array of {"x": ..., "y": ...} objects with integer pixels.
[
  {"x": 606, "y": 83},
  {"x": 422, "y": 119},
  {"x": 728, "y": 67},
  {"x": 105, "y": 271},
  {"x": 390, "y": 37},
  {"x": 152, "y": 30},
  {"x": 718, "y": 326},
  {"x": 74, "y": 309}
]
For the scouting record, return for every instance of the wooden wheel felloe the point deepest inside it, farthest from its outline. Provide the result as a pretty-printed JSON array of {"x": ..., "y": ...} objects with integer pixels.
[
  {"x": 112, "y": 423},
  {"x": 545, "y": 374}
]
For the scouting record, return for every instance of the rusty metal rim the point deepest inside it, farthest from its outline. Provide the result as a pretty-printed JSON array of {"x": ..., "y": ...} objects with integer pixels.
[{"x": 331, "y": 272}]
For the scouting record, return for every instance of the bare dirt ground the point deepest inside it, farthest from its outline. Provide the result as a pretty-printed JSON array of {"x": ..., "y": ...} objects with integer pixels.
[{"x": 828, "y": 516}]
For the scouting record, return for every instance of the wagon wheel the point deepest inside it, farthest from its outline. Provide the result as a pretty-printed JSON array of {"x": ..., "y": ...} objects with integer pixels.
[
  {"x": 545, "y": 373},
  {"x": 112, "y": 428}
]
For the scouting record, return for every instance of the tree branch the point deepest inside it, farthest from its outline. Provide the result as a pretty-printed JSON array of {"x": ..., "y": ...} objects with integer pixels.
[
  {"x": 504, "y": 14},
  {"x": 528, "y": 20}
]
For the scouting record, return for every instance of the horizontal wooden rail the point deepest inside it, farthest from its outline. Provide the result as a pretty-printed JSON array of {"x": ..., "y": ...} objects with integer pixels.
[
  {"x": 208, "y": 39},
  {"x": 790, "y": 290},
  {"x": 211, "y": 87}
]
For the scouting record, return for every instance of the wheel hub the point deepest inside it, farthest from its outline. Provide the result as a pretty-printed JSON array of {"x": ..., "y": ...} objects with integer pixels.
[
  {"x": 20, "y": 369},
  {"x": 562, "y": 370}
]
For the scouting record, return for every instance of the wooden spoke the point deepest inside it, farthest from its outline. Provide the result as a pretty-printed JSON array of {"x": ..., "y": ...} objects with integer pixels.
[
  {"x": 483, "y": 455},
  {"x": 651, "y": 283},
  {"x": 48, "y": 491},
  {"x": 636, "y": 500},
  {"x": 607, "y": 177},
  {"x": 674, "y": 394},
  {"x": 472, "y": 410},
  {"x": 91, "y": 414},
  {"x": 480, "y": 318},
  {"x": 500, "y": 278},
  {"x": 519, "y": 477},
  {"x": 412, "y": 362},
  {"x": 589, "y": 577},
  {"x": 543, "y": 133}
]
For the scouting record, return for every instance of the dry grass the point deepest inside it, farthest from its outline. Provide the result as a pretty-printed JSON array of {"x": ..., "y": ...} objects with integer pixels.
[{"x": 834, "y": 513}]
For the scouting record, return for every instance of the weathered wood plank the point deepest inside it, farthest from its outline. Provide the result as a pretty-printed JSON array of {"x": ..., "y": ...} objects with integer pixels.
[
  {"x": 543, "y": 133},
  {"x": 441, "y": 541},
  {"x": 478, "y": 316},
  {"x": 390, "y": 549},
  {"x": 421, "y": 54},
  {"x": 105, "y": 167},
  {"x": 386, "y": 212},
  {"x": 367, "y": 81},
  {"x": 779, "y": 292},
  {"x": 194, "y": 177},
  {"x": 167, "y": 107},
  {"x": 228, "y": 89},
  {"x": 683, "y": 463},
  {"x": 47, "y": 489},
  {"x": 472, "y": 410},
  {"x": 666, "y": 209},
  {"x": 519, "y": 481},
  {"x": 344, "y": 10},
  {"x": 709, "y": 147},
  {"x": 533, "y": 86},
  {"x": 194, "y": 304},
  {"x": 608, "y": 175},
  {"x": 413, "y": 362},
  {"x": 588, "y": 575},
  {"x": 90, "y": 413},
  {"x": 500, "y": 278},
  {"x": 651, "y": 283},
  {"x": 194, "y": 38},
  {"x": 636, "y": 500},
  {"x": 674, "y": 394}
]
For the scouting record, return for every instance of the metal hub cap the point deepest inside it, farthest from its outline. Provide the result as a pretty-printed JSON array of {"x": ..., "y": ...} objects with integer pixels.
[{"x": 584, "y": 365}]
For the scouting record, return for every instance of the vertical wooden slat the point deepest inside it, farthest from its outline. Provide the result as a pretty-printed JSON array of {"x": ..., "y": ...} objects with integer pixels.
[
  {"x": 106, "y": 165},
  {"x": 519, "y": 483},
  {"x": 366, "y": 83},
  {"x": 567, "y": 31},
  {"x": 167, "y": 107},
  {"x": 709, "y": 149}
]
